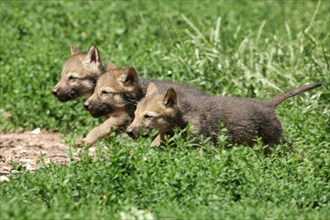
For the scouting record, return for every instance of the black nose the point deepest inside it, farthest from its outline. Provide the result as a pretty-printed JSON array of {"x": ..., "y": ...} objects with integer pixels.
[
  {"x": 130, "y": 131},
  {"x": 54, "y": 92},
  {"x": 86, "y": 105}
]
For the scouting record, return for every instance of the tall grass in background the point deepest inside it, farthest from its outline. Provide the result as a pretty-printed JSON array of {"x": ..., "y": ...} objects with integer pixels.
[{"x": 252, "y": 62}]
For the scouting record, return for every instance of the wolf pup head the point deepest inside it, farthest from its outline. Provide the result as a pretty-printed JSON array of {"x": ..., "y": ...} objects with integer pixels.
[
  {"x": 116, "y": 89},
  {"x": 155, "y": 112},
  {"x": 79, "y": 75}
]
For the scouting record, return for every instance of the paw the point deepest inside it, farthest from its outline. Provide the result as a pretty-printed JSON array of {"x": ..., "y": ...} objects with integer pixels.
[{"x": 156, "y": 143}]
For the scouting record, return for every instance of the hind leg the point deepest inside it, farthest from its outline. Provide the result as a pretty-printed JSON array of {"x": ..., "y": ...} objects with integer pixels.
[{"x": 272, "y": 134}]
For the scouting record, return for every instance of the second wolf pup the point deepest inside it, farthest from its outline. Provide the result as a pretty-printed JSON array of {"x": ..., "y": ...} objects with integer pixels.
[
  {"x": 115, "y": 96},
  {"x": 244, "y": 119}
]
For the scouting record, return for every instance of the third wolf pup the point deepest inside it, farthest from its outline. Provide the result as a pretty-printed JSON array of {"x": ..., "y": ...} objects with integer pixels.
[{"x": 244, "y": 119}]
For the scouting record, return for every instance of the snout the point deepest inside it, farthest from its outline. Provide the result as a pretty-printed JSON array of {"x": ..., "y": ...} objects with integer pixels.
[
  {"x": 131, "y": 132},
  {"x": 58, "y": 93}
]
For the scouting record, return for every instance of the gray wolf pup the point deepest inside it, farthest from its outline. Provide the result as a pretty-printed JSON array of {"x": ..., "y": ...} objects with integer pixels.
[{"x": 244, "y": 119}]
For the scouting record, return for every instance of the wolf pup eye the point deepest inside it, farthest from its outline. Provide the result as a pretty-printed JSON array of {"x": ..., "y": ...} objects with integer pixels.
[
  {"x": 148, "y": 117},
  {"x": 103, "y": 92},
  {"x": 72, "y": 78}
]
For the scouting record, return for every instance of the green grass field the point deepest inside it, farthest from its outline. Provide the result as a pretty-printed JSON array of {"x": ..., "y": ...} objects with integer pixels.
[{"x": 235, "y": 48}]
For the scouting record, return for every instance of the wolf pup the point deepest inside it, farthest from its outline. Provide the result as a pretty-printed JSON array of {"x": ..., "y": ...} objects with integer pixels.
[
  {"x": 244, "y": 119},
  {"x": 116, "y": 94},
  {"x": 79, "y": 74}
]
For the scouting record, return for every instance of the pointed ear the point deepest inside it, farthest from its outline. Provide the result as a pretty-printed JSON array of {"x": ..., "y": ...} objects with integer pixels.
[
  {"x": 111, "y": 66},
  {"x": 152, "y": 89},
  {"x": 130, "y": 76},
  {"x": 170, "y": 98},
  {"x": 74, "y": 50},
  {"x": 93, "y": 55}
]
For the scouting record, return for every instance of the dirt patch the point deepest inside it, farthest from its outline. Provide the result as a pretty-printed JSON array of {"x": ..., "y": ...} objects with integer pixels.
[{"x": 25, "y": 148}]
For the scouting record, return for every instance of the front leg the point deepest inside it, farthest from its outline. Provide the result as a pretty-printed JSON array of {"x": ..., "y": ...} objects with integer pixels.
[
  {"x": 118, "y": 121},
  {"x": 157, "y": 141}
]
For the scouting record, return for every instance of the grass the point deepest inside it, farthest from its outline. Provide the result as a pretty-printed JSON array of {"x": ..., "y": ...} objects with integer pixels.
[{"x": 234, "y": 48}]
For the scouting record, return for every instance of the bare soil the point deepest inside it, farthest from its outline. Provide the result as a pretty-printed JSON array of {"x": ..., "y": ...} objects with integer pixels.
[{"x": 25, "y": 148}]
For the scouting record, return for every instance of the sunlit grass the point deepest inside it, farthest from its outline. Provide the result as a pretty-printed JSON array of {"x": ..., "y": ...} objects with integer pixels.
[{"x": 234, "y": 48}]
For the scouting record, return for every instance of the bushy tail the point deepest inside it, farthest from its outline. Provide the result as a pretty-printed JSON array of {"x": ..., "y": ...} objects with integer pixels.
[{"x": 292, "y": 92}]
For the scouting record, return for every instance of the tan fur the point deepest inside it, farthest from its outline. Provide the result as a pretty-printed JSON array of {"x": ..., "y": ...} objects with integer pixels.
[
  {"x": 79, "y": 74},
  {"x": 120, "y": 90},
  {"x": 78, "y": 79},
  {"x": 111, "y": 66},
  {"x": 244, "y": 119},
  {"x": 109, "y": 89},
  {"x": 152, "y": 112},
  {"x": 107, "y": 100},
  {"x": 74, "y": 50},
  {"x": 117, "y": 121}
]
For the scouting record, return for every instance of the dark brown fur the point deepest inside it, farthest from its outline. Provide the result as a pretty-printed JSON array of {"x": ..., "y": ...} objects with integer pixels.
[{"x": 244, "y": 119}]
